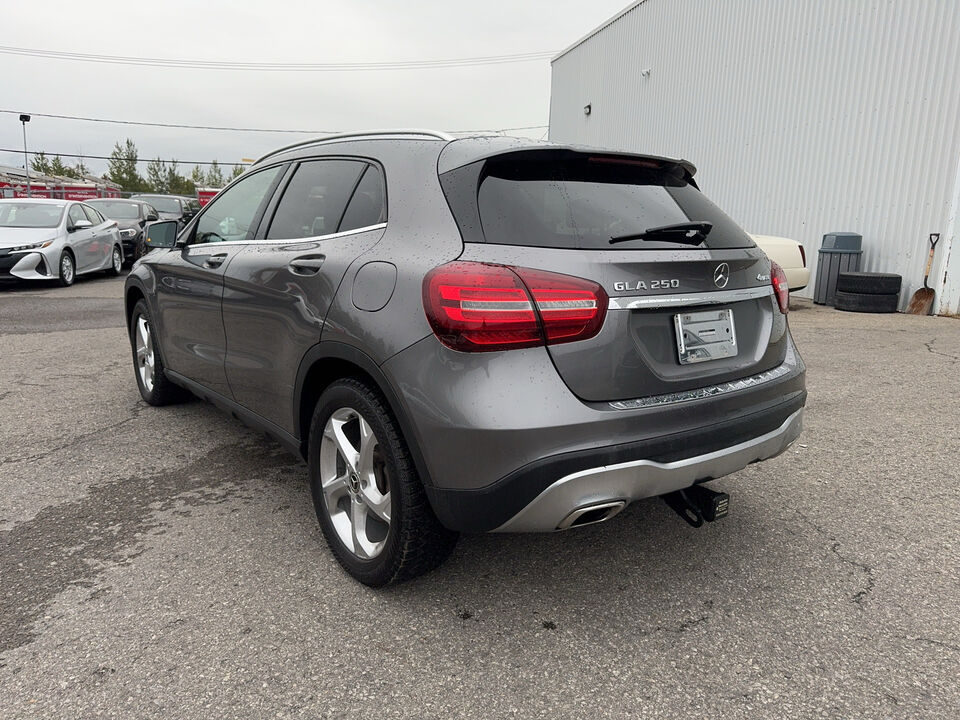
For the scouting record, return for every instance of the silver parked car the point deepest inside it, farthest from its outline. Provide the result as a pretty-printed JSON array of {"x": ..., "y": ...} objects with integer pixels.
[
  {"x": 475, "y": 334},
  {"x": 56, "y": 240}
]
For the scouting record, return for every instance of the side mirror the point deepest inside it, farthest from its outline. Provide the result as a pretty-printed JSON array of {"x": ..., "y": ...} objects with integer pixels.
[
  {"x": 162, "y": 234},
  {"x": 152, "y": 217},
  {"x": 81, "y": 225}
]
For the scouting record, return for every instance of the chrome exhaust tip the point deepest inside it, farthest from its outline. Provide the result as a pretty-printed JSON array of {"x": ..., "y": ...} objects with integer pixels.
[{"x": 592, "y": 514}]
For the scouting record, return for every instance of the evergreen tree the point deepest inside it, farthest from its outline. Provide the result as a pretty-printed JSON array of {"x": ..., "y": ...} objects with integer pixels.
[
  {"x": 157, "y": 177},
  {"x": 123, "y": 167},
  {"x": 197, "y": 177},
  {"x": 214, "y": 176},
  {"x": 79, "y": 170},
  {"x": 237, "y": 171},
  {"x": 177, "y": 183},
  {"x": 40, "y": 163},
  {"x": 58, "y": 168}
]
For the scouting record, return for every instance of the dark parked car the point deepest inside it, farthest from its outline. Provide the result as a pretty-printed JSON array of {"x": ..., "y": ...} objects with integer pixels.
[
  {"x": 132, "y": 217},
  {"x": 476, "y": 334},
  {"x": 172, "y": 207},
  {"x": 192, "y": 207}
]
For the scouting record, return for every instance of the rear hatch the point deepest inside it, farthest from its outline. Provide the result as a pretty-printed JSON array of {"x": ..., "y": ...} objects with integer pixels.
[{"x": 687, "y": 308}]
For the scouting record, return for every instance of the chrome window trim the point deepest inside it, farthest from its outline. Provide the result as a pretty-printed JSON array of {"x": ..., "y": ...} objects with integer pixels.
[
  {"x": 638, "y": 302},
  {"x": 293, "y": 241}
]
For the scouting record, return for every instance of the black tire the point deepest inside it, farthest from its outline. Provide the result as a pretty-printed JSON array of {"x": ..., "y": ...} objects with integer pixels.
[
  {"x": 162, "y": 392},
  {"x": 415, "y": 542},
  {"x": 115, "y": 267},
  {"x": 66, "y": 275},
  {"x": 863, "y": 302},
  {"x": 865, "y": 283}
]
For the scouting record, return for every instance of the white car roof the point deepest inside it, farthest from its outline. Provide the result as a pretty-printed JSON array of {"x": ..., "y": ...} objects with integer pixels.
[{"x": 38, "y": 201}]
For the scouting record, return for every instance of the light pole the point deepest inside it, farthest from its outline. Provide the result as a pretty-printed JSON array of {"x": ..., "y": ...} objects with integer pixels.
[{"x": 24, "y": 118}]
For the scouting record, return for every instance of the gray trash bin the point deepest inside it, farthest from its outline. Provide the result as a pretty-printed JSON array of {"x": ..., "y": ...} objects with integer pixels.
[{"x": 839, "y": 252}]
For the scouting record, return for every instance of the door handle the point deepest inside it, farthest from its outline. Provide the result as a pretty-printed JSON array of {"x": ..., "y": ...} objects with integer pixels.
[
  {"x": 307, "y": 264},
  {"x": 215, "y": 261}
]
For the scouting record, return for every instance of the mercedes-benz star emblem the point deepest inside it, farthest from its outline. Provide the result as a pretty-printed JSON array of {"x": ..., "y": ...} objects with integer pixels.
[{"x": 721, "y": 276}]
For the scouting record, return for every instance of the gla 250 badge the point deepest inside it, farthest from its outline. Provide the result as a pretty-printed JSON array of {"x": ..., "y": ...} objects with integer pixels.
[{"x": 631, "y": 285}]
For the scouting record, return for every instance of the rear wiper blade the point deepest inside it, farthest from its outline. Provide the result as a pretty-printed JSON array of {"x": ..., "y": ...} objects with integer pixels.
[{"x": 691, "y": 233}]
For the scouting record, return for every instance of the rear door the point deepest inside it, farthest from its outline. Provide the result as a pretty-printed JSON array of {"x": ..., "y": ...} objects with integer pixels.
[
  {"x": 190, "y": 280},
  {"x": 101, "y": 248},
  {"x": 279, "y": 290},
  {"x": 80, "y": 240},
  {"x": 576, "y": 213}
]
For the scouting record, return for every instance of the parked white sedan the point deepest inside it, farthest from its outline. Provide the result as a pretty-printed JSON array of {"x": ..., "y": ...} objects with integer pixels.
[
  {"x": 56, "y": 240},
  {"x": 789, "y": 255}
]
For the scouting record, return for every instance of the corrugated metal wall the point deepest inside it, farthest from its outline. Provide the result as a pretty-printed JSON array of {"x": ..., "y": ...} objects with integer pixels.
[{"x": 804, "y": 116}]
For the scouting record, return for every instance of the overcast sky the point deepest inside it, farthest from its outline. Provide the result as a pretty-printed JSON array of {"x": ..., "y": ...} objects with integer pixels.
[{"x": 307, "y": 31}]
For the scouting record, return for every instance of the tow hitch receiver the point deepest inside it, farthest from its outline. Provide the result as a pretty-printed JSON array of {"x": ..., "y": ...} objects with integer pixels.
[{"x": 698, "y": 504}]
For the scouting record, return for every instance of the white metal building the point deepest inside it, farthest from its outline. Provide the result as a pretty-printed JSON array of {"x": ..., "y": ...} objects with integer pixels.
[{"x": 803, "y": 116}]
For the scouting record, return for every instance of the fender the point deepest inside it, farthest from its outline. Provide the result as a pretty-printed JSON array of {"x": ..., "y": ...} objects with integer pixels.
[
  {"x": 151, "y": 299},
  {"x": 332, "y": 350}
]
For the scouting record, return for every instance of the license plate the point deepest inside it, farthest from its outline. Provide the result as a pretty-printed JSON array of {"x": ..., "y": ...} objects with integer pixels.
[{"x": 704, "y": 336}]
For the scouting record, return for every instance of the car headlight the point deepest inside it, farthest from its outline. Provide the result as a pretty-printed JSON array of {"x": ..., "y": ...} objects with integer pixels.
[
  {"x": 33, "y": 246},
  {"x": 127, "y": 234}
]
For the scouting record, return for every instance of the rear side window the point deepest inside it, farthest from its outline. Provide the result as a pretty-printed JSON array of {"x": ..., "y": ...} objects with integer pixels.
[
  {"x": 368, "y": 204},
  {"x": 315, "y": 199},
  {"x": 578, "y": 201}
]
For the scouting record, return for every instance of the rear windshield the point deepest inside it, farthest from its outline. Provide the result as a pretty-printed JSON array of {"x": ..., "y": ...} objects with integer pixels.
[
  {"x": 579, "y": 201},
  {"x": 118, "y": 210},
  {"x": 163, "y": 204}
]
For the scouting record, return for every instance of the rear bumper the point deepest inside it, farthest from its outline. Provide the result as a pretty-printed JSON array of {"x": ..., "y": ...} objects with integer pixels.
[
  {"x": 537, "y": 497},
  {"x": 636, "y": 479},
  {"x": 797, "y": 278},
  {"x": 499, "y": 429}
]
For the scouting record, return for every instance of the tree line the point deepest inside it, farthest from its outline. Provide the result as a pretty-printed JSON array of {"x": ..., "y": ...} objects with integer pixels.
[
  {"x": 123, "y": 170},
  {"x": 42, "y": 164}
]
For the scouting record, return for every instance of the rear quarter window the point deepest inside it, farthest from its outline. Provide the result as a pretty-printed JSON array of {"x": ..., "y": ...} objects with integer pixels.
[{"x": 368, "y": 204}]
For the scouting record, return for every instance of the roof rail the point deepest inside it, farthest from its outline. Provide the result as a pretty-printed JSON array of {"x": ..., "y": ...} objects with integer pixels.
[{"x": 363, "y": 134}]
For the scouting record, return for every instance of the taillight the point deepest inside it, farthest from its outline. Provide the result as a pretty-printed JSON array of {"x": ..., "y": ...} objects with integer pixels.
[
  {"x": 479, "y": 307},
  {"x": 570, "y": 308},
  {"x": 780, "y": 288}
]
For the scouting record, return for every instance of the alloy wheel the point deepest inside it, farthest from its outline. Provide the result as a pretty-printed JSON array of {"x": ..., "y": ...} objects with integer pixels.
[
  {"x": 117, "y": 260},
  {"x": 355, "y": 483},
  {"x": 145, "y": 358},
  {"x": 66, "y": 269}
]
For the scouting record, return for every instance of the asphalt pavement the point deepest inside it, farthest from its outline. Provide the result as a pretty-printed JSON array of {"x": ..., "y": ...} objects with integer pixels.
[{"x": 166, "y": 562}]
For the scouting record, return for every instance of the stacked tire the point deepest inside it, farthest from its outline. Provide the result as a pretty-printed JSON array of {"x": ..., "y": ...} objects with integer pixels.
[{"x": 868, "y": 292}]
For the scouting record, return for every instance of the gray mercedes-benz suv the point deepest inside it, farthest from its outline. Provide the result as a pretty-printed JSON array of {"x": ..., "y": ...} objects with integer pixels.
[{"x": 474, "y": 334}]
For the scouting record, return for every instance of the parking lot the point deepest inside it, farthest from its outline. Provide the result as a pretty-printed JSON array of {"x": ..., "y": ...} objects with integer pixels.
[{"x": 166, "y": 562}]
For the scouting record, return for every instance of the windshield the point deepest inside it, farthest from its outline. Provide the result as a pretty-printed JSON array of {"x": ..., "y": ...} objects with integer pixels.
[
  {"x": 118, "y": 210},
  {"x": 30, "y": 215},
  {"x": 164, "y": 204},
  {"x": 580, "y": 201}
]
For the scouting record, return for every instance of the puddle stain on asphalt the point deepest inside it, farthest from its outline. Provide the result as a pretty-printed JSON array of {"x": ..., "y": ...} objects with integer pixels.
[{"x": 72, "y": 544}]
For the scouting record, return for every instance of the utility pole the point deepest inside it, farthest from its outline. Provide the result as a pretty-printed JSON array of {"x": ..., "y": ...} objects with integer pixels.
[{"x": 24, "y": 118}]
